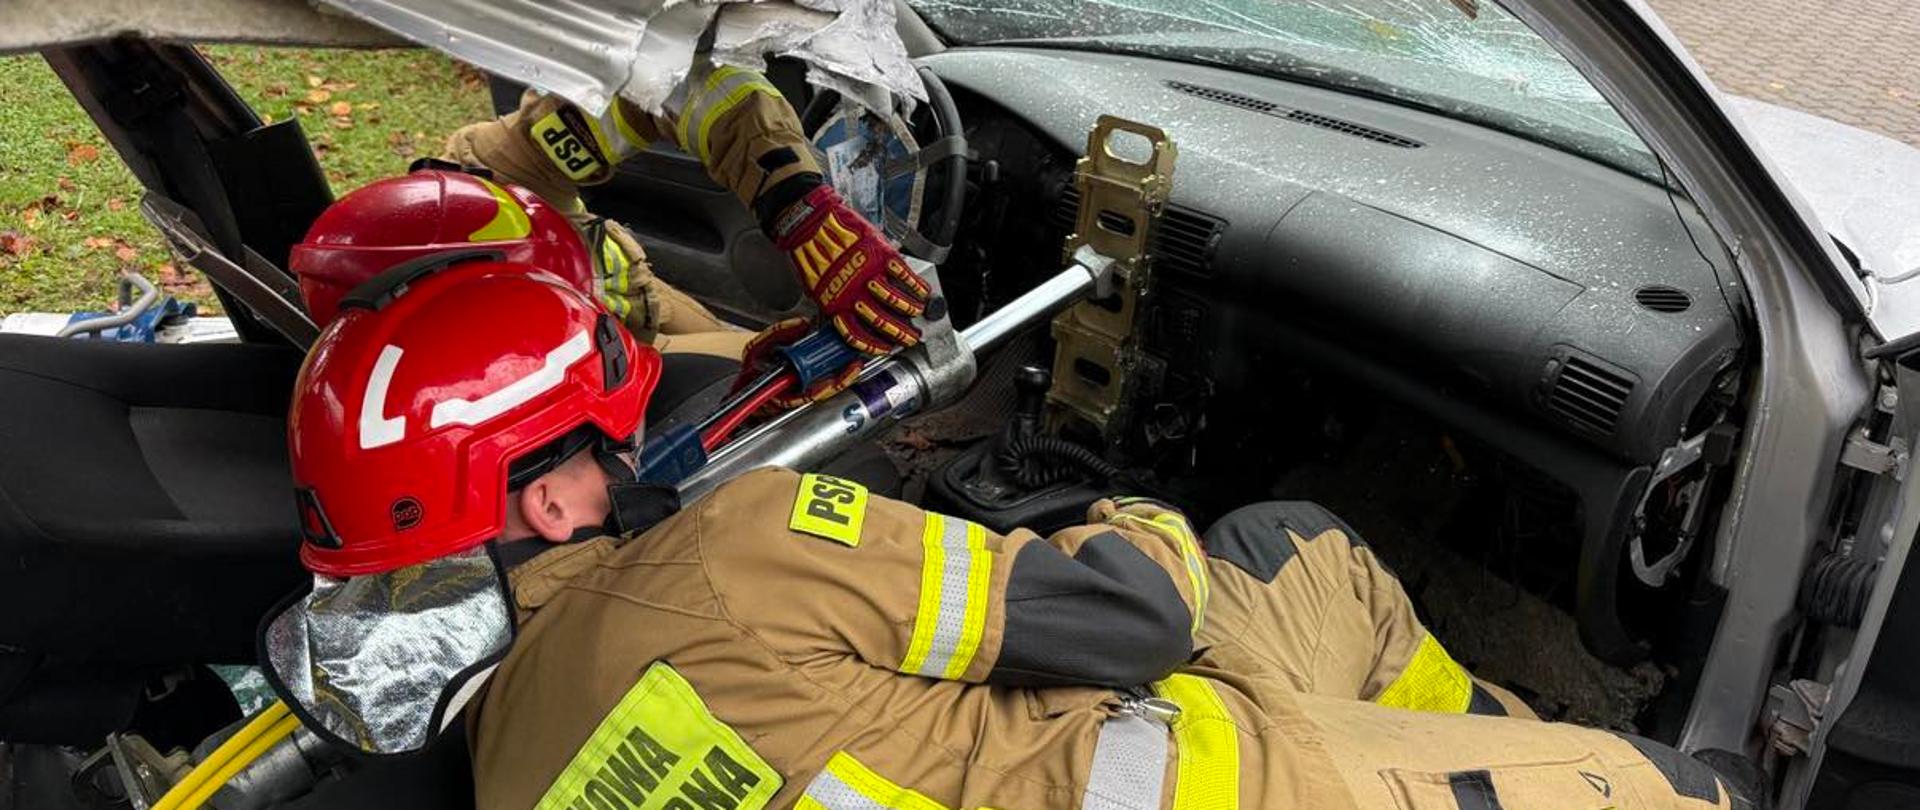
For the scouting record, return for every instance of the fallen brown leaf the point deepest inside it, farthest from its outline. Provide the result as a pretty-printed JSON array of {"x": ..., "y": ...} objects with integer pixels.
[
  {"x": 314, "y": 81},
  {"x": 82, "y": 153},
  {"x": 319, "y": 96},
  {"x": 31, "y": 215},
  {"x": 64, "y": 183},
  {"x": 126, "y": 253},
  {"x": 70, "y": 215},
  {"x": 16, "y": 243},
  {"x": 116, "y": 204},
  {"x": 96, "y": 242},
  {"x": 275, "y": 90},
  {"x": 341, "y": 122},
  {"x": 915, "y": 439},
  {"x": 341, "y": 108}
]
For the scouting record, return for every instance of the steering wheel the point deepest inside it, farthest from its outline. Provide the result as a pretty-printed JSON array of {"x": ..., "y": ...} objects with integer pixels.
[{"x": 887, "y": 171}]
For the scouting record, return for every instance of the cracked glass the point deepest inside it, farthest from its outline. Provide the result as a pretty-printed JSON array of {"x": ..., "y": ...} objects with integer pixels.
[{"x": 1485, "y": 67}]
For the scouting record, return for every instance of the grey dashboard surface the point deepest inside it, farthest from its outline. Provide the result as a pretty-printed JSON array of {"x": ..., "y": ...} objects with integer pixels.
[{"x": 1432, "y": 237}]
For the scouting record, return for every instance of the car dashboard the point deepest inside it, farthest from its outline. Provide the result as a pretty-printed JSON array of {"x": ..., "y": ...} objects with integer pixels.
[{"x": 1565, "y": 312}]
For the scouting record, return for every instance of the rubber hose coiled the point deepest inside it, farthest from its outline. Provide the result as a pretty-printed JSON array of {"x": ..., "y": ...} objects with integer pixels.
[{"x": 1037, "y": 461}]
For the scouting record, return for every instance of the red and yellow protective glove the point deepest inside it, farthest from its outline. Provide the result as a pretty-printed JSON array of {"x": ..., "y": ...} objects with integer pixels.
[
  {"x": 862, "y": 285},
  {"x": 759, "y": 357}
]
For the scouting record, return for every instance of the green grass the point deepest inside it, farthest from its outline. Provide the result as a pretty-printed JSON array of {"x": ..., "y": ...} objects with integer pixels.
[{"x": 69, "y": 218}]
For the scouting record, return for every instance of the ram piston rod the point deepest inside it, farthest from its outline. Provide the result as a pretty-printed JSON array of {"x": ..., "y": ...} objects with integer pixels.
[{"x": 929, "y": 375}]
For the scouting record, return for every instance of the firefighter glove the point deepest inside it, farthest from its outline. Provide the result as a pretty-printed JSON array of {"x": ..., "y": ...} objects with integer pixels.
[{"x": 860, "y": 282}]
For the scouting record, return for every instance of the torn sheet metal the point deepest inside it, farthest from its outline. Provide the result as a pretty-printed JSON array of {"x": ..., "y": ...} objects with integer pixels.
[
  {"x": 590, "y": 51},
  {"x": 35, "y": 24}
]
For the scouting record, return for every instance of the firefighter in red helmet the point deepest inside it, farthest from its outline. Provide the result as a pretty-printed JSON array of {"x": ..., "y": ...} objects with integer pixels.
[
  {"x": 395, "y": 388},
  {"x": 438, "y": 208}
]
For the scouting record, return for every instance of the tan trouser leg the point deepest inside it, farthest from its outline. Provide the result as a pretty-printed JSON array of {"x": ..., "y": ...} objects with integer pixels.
[
  {"x": 730, "y": 344},
  {"x": 1399, "y": 760},
  {"x": 1298, "y": 596}
]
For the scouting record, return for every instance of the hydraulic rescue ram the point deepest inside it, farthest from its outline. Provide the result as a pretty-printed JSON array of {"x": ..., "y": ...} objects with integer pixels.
[{"x": 929, "y": 375}]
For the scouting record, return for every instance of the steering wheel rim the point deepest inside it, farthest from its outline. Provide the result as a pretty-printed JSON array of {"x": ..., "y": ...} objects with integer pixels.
[{"x": 951, "y": 168}]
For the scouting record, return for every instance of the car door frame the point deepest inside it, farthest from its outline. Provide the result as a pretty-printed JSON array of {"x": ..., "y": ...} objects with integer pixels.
[{"x": 1808, "y": 315}]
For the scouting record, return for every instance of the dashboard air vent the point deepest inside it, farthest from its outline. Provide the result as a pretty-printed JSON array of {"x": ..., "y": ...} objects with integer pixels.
[
  {"x": 1662, "y": 298},
  {"x": 1311, "y": 119},
  {"x": 1225, "y": 97},
  {"x": 1588, "y": 395},
  {"x": 1184, "y": 242}
]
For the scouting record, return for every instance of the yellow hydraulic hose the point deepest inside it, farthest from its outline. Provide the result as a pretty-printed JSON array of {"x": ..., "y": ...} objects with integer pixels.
[
  {"x": 262, "y": 724},
  {"x": 274, "y": 735}
]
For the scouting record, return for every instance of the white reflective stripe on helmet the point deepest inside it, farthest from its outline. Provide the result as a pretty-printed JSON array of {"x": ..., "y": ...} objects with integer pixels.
[
  {"x": 549, "y": 375},
  {"x": 377, "y": 430}
]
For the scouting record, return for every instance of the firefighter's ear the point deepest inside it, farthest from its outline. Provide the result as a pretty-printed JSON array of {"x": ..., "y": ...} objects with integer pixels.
[{"x": 547, "y": 514}]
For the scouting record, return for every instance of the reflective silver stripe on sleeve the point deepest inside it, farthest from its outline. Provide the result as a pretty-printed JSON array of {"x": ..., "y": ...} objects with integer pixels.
[
  {"x": 954, "y": 569},
  {"x": 1129, "y": 768},
  {"x": 724, "y": 89}
]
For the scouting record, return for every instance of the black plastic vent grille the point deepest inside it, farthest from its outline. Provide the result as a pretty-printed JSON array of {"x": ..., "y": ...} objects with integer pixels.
[
  {"x": 1311, "y": 119},
  {"x": 1588, "y": 395},
  {"x": 1184, "y": 242},
  {"x": 1225, "y": 97},
  {"x": 1662, "y": 298}
]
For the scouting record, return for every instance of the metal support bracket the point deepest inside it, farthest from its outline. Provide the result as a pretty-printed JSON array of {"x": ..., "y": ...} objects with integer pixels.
[
  {"x": 1097, "y": 363},
  {"x": 1794, "y": 711},
  {"x": 1862, "y": 453}
]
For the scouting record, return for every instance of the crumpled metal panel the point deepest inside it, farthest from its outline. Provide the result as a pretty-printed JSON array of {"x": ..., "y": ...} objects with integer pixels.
[
  {"x": 35, "y": 24},
  {"x": 368, "y": 658},
  {"x": 590, "y": 51}
]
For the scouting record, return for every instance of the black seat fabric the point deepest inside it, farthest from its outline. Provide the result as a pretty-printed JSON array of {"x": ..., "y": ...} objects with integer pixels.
[{"x": 146, "y": 510}]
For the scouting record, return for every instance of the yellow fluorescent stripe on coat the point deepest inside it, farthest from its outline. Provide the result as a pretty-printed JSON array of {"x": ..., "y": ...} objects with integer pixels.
[
  {"x": 846, "y": 784},
  {"x": 724, "y": 89},
  {"x": 974, "y": 626},
  {"x": 952, "y": 614},
  {"x": 928, "y": 615},
  {"x": 509, "y": 219},
  {"x": 1207, "y": 775},
  {"x": 614, "y": 276},
  {"x": 1432, "y": 682}
]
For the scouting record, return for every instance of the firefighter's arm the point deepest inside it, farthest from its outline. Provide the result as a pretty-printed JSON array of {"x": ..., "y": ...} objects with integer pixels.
[
  {"x": 1115, "y": 602},
  {"x": 734, "y": 122},
  {"x": 848, "y": 573}
]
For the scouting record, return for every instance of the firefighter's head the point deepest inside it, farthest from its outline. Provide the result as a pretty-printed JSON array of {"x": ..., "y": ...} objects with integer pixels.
[
  {"x": 452, "y": 404},
  {"x": 430, "y": 210}
]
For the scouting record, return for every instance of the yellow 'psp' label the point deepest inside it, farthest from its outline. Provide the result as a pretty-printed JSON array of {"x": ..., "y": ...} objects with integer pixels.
[
  {"x": 829, "y": 507},
  {"x": 660, "y": 749}
]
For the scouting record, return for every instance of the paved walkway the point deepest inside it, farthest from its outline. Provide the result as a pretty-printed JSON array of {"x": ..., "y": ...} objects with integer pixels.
[{"x": 1854, "y": 61}]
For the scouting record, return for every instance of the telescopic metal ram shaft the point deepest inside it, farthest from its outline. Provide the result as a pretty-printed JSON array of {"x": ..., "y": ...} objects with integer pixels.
[{"x": 927, "y": 376}]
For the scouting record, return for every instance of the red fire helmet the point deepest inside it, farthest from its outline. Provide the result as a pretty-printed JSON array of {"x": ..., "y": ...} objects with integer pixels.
[
  {"x": 413, "y": 404},
  {"x": 390, "y": 221}
]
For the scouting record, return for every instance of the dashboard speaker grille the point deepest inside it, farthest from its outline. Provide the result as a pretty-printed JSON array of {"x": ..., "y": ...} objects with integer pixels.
[
  {"x": 1311, "y": 119},
  {"x": 1184, "y": 242},
  {"x": 1588, "y": 395}
]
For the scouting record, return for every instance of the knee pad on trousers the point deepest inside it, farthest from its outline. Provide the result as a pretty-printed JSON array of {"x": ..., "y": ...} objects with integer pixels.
[{"x": 1254, "y": 538}]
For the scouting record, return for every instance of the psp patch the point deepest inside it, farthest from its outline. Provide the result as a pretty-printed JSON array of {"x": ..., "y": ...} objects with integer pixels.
[
  {"x": 570, "y": 142},
  {"x": 660, "y": 749},
  {"x": 829, "y": 507}
]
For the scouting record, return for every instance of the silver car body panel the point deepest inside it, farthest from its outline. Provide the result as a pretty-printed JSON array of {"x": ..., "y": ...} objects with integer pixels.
[
  {"x": 1810, "y": 383},
  {"x": 35, "y": 24},
  {"x": 1865, "y": 189}
]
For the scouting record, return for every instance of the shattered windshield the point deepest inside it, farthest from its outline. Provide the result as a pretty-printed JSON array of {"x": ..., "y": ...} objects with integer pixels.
[{"x": 1487, "y": 67}]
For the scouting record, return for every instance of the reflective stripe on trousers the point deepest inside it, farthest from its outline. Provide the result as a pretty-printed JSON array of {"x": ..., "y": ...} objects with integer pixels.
[{"x": 1128, "y": 771}]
